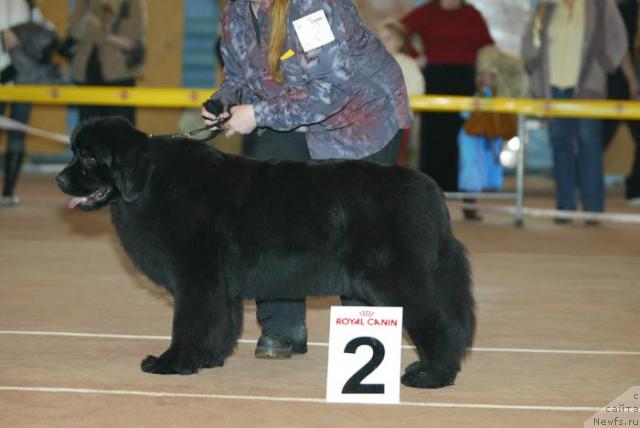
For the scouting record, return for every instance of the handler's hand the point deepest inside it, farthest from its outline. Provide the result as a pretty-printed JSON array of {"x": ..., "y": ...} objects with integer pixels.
[
  {"x": 243, "y": 120},
  {"x": 209, "y": 118}
]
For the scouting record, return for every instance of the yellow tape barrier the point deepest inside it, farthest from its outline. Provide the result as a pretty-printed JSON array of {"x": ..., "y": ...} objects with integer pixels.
[
  {"x": 179, "y": 97},
  {"x": 100, "y": 95}
]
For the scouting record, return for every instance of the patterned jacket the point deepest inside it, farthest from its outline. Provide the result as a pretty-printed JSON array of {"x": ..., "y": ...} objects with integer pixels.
[{"x": 348, "y": 95}]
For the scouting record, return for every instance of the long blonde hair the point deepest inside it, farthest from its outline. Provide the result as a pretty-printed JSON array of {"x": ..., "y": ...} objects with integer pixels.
[{"x": 277, "y": 37}]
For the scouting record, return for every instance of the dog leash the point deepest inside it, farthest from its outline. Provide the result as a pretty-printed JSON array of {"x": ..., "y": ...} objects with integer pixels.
[
  {"x": 210, "y": 106},
  {"x": 189, "y": 135}
]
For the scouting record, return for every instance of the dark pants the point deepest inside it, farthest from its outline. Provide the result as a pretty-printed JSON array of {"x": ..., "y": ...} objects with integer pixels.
[
  {"x": 14, "y": 154},
  {"x": 439, "y": 131},
  {"x": 95, "y": 78},
  {"x": 287, "y": 317},
  {"x": 618, "y": 89},
  {"x": 577, "y": 159},
  {"x": 19, "y": 112}
]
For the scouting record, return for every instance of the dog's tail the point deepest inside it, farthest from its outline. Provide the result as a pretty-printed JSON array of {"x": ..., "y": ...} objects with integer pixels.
[{"x": 453, "y": 275}]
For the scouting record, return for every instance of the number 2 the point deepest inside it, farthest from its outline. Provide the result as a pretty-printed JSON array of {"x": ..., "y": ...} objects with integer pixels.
[{"x": 354, "y": 384}]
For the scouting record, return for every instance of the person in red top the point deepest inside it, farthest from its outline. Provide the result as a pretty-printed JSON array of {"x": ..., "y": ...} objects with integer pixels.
[{"x": 452, "y": 32}]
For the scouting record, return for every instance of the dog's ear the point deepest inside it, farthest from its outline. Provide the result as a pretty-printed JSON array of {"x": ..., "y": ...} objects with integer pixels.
[
  {"x": 130, "y": 163},
  {"x": 131, "y": 174}
]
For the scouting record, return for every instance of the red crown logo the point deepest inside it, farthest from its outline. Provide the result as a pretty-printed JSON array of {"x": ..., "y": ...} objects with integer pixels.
[{"x": 366, "y": 313}]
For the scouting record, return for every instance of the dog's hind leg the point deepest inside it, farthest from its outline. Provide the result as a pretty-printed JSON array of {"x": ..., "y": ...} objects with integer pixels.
[
  {"x": 440, "y": 320},
  {"x": 437, "y": 348},
  {"x": 205, "y": 330}
]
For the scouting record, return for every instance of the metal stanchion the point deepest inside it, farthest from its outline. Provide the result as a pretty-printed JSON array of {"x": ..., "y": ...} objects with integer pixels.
[
  {"x": 518, "y": 196},
  {"x": 523, "y": 136}
]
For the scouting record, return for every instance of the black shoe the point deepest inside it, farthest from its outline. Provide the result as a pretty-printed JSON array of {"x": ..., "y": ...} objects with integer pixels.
[
  {"x": 632, "y": 190},
  {"x": 12, "y": 165},
  {"x": 592, "y": 223},
  {"x": 276, "y": 347},
  {"x": 471, "y": 215},
  {"x": 562, "y": 220},
  {"x": 282, "y": 345},
  {"x": 9, "y": 201}
]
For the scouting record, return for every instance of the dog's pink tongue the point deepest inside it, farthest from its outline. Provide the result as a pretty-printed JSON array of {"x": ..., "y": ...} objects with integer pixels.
[{"x": 76, "y": 201}]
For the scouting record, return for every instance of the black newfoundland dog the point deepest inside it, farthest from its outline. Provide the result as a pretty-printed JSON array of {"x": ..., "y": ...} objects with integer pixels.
[{"x": 215, "y": 229}]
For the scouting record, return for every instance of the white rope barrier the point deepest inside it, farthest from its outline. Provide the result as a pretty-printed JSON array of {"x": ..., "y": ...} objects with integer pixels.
[
  {"x": 560, "y": 214},
  {"x": 14, "y": 125}
]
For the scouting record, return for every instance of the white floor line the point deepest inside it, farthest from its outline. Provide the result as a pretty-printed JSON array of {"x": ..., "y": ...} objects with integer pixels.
[
  {"x": 318, "y": 344},
  {"x": 287, "y": 399}
]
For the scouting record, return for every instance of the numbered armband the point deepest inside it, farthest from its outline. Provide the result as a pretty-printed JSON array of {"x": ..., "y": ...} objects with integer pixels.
[{"x": 313, "y": 30}]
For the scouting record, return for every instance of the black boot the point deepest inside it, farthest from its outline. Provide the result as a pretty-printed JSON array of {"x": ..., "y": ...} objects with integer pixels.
[
  {"x": 12, "y": 165},
  {"x": 471, "y": 213},
  {"x": 278, "y": 347},
  {"x": 632, "y": 189}
]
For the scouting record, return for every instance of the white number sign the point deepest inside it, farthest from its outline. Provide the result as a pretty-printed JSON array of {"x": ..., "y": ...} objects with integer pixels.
[{"x": 365, "y": 345}]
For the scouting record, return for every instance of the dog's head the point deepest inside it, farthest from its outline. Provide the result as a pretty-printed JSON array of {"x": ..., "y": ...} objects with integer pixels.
[{"x": 110, "y": 162}]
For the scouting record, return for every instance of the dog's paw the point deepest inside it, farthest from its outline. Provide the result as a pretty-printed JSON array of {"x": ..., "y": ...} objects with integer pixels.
[
  {"x": 416, "y": 376},
  {"x": 161, "y": 365},
  {"x": 212, "y": 363},
  {"x": 413, "y": 366}
]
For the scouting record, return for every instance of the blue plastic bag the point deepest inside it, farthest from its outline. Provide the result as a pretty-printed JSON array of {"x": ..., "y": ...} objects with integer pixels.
[{"x": 479, "y": 166}]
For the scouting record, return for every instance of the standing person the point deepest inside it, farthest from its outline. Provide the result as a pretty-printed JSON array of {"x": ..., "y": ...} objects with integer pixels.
[
  {"x": 394, "y": 38},
  {"x": 452, "y": 32},
  {"x": 110, "y": 37},
  {"x": 623, "y": 84},
  {"x": 13, "y": 13},
  {"x": 483, "y": 135},
  {"x": 321, "y": 86},
  {"x": 569, "y": 46}
]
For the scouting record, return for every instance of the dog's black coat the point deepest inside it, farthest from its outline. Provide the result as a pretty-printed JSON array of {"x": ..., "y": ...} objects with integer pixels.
[{"x": 215, "y": 229}]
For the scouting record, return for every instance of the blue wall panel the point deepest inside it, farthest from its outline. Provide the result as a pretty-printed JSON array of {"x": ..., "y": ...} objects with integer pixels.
[{"x": 200, "y": 35}]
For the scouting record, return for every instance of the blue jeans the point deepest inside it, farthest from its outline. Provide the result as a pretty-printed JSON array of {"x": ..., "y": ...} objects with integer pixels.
[{"x": 577, "y": 159}]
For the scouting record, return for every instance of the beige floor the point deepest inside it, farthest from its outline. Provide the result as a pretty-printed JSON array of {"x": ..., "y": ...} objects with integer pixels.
[{"x": 545, "y": 293}]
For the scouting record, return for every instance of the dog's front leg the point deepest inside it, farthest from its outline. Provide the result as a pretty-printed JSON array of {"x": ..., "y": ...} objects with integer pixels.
[{"x": 205, "y": 330}]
